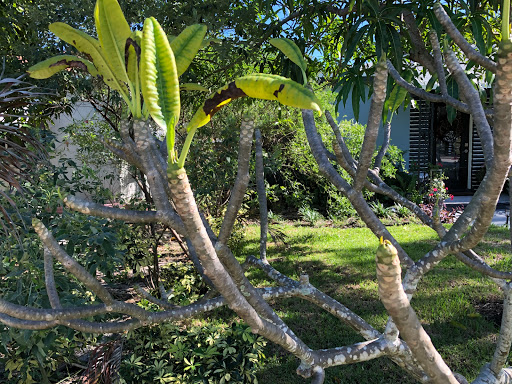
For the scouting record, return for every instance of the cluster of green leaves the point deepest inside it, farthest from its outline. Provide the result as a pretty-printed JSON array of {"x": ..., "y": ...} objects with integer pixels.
[
  {"x": 208, "y": 354},
  {"x": 35, "y": 356}
]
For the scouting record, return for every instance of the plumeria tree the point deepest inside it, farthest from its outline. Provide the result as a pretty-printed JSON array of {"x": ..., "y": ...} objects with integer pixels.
[{"x": 145, "y": 68}]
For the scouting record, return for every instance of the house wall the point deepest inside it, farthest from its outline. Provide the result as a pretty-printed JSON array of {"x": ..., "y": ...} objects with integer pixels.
[
  {"x": 121, "y": 184},
  {"x": 399, "y": 126}
]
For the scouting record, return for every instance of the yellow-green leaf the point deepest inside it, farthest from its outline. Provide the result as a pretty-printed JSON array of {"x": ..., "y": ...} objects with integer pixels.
[
  {"x": 91, "y": 47},
  {"x": 186, "y": 45},
  {"x": 113, "y": 31},
  {"x": 259, "y": 86},
  {"x": 291, "y": 51},
  {"x": 159, "y": 78},
  {"x": 193, "y": 87},
  {"x": 51, "y": 66}
]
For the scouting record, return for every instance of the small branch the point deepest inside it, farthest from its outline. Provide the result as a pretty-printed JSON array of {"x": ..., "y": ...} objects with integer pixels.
[
  {"x": 347, "y": 158},
  {"x": 472, "y": 98},
  {"x": 241, "y": 182},
  {"x": 383, "y": 148},
  {"x": 419, "y": 52},
  {"x": 146, "y": 295},
  {"x": 438, "y": 60},
  {"x": 262, "y": 195},
  {"x": 421, "y": 93},
  {"x": 51, "y": 289},
  {"x": 372, "y": 128},
  {"x": 463, "y": 44},
  {"x": 70, "y": 264},
  {"x": 356, "y": 199},
  {"x": 500, "y": 357}
]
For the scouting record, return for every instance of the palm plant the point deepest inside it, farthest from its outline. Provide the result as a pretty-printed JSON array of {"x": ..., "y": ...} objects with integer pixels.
[{"x": 20, "y": 149}]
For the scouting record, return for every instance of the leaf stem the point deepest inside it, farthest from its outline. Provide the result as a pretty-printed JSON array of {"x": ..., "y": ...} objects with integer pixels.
[
  {"x": 505, "y": 21},
  {"x": 186, "y": 147}
]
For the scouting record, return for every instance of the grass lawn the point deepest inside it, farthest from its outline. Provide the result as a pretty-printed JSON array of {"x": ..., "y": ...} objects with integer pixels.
[{"x": 451, "y": 300}]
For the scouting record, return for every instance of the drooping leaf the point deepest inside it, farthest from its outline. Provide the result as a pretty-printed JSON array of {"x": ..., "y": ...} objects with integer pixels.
[
  {"x": 453, "y": 91},
  {"x": 291, "y": 51},
  {"x": 354, "y": 41},
  {"x": 397, "y": 95},
  {"x": 91, "y": 47},
  {"x": 355, "y": 101},
  {"x": 259, "y": 86},
  {"x": 159, "y": 77},
  {"x": 193, "y": 87},
  {"x": 476, "y": 28},
  {"x": 395, "y": 46},
  {"x": 51, "y": 66},
  {"x": 186, "y": 46},
  {"x": 113, "y": 31}
]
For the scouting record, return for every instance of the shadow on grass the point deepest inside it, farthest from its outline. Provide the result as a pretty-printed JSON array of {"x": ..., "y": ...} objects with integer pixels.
[{"x": 448, "y": 301}]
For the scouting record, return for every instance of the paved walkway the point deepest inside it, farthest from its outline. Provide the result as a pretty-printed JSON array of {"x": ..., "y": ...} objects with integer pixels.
[{"x": 502, "y": 209}]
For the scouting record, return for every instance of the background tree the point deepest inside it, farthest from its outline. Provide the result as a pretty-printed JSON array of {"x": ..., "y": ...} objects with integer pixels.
[{"x": 403, "y": 340}]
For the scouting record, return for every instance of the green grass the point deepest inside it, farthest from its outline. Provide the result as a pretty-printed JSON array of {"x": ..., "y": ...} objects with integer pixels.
[{"x": 341, "y": 263}]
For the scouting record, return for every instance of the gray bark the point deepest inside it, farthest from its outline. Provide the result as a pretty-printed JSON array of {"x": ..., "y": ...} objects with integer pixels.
[{"x": 262, "y": 194}]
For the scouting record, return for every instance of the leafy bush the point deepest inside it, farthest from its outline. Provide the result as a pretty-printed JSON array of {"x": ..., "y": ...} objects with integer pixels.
[
  {"x": 310, "y": 215},
  {"x": 380, "y": 210},
  {"x": 400, "y": 210},
  {"x": 206, "y": 354},
  {"x": 446, "y": 216},
  {"x": 339, "y": 206},
  {"x": 186, "y": 282}
]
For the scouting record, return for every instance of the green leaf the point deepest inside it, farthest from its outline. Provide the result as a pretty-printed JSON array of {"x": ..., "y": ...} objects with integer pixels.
[
  {"x": 113, "y": 31},
  {"x": 51, "y": 66},
  {"x": 159, "y": 77},
  {"x": 291, "y": 51},
  {"x": 476, "y": 28},
  {"x": 259, "y": 86},
  {"x": 453, "y": 91},
  {"x": 186, "y": 46},
  {"x": 353, "y": 42},
  {"x": 91, "y": 47},
  {"x": 355, "y": 101}
]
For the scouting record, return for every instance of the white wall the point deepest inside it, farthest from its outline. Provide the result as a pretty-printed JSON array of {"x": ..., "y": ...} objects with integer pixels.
[
  {"x": 399, "y": 127},
  {"x": 122, "y": 184}
]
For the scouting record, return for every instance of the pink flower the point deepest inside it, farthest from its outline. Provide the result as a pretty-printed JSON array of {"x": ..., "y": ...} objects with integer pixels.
[
  {"x": 431, "y": 194},
  {"x": 446, "y": 188},
  {"x": 435, "y": 189},
  {"x": 451, "y": 197}
]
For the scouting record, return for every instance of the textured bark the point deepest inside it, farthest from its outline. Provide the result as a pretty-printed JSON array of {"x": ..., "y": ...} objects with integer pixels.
[
  {"x": 500, "y": 357},
  {"x": 438, "y": 60},
  {"x": 262, "y": 194},
  {"x": 384, "y": 148},
  {"x": 358, "y": 202},
  {"x": 422, "y": 94},
  {"x": 397, "y": 305},
  {"x": 463, "y": 44},
  {"x": 472, "y": 98},
  {"x": 241, "y": 182},
  {"x": 372, "y": 128}
]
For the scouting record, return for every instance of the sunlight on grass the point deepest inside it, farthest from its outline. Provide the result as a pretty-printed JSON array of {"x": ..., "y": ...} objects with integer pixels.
[{"x": 341, "y": 262}]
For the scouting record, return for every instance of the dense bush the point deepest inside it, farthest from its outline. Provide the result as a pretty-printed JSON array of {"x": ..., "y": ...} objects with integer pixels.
[{"x": 196, "y": 354}]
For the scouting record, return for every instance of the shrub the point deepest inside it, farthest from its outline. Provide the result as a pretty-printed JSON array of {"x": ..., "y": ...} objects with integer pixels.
[
  {"x": 310, "y": 215},
  {"x": 380, "y": 210},
  {"x": 208, "y": 354}
]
